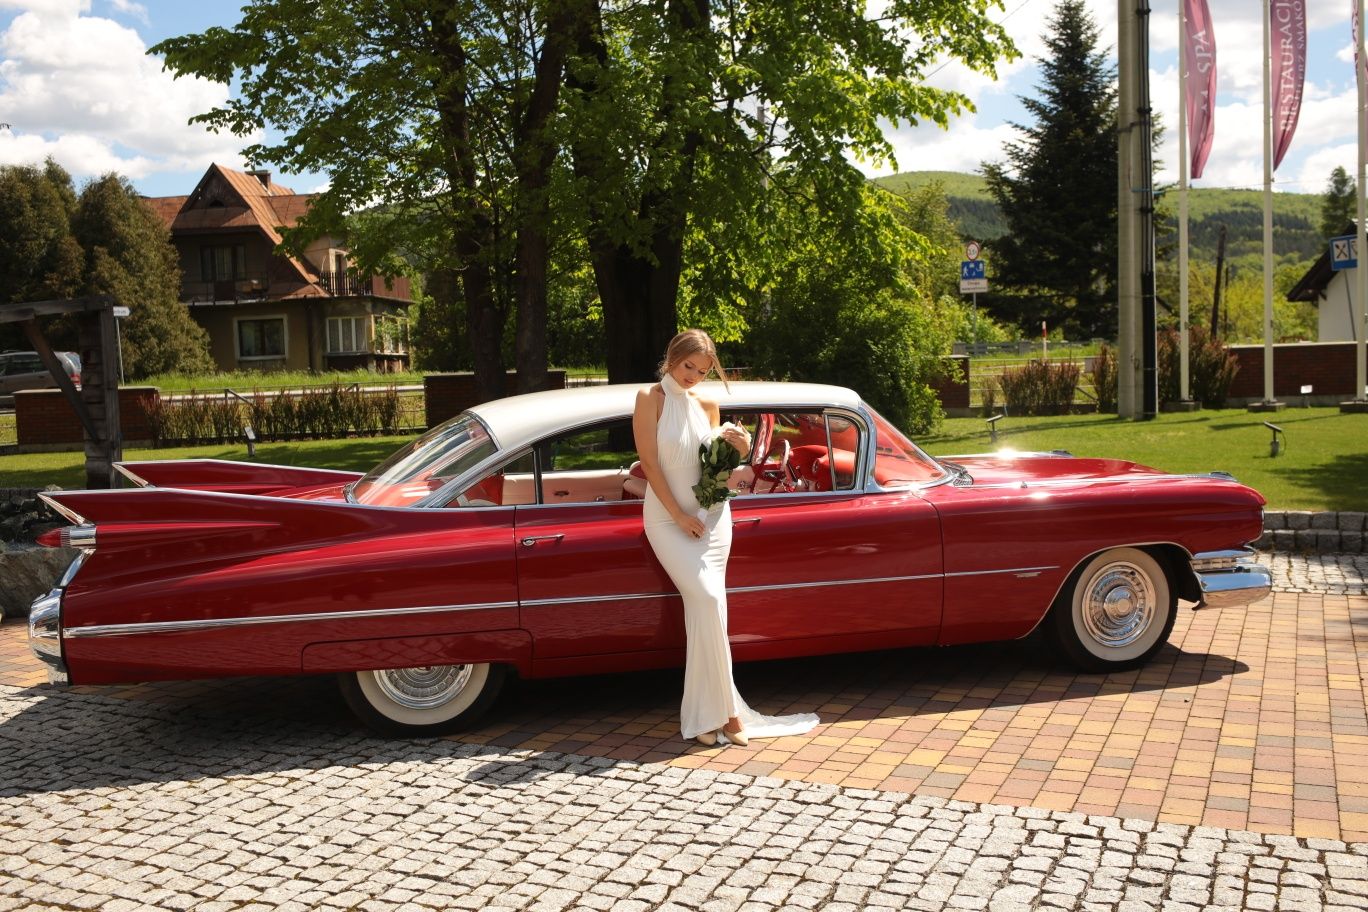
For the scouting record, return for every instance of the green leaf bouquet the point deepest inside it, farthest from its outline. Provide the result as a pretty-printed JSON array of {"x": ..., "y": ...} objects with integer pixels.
[{"x": 718, "y": 458}]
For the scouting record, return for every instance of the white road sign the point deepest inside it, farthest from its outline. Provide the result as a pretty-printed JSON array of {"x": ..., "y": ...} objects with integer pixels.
[{"x": 971, "y": 250}]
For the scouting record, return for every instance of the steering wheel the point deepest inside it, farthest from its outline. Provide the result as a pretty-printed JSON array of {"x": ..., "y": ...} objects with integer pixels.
[{"x": 781, "y": 477}]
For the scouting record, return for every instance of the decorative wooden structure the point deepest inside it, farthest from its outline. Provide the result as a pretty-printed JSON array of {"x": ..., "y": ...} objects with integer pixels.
[{"x": 96, "y": 403}]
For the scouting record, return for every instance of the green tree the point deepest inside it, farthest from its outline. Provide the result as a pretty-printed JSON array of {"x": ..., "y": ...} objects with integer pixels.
[
  {"x": 845, "y": 306},
  {"x": 456, "y": 118},
  {"x": 39, "y": 259},
  {"x": 1339, "y": 205},
  {"x": 1057, "y": 189},
  {"x": 129, "y": 255}
]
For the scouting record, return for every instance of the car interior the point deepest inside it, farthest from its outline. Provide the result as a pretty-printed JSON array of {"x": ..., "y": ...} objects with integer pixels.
[{"x": 789, "y": 454}]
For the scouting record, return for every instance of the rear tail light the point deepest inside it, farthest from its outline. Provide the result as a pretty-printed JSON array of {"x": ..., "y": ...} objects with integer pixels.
[{"x": 82, "y": 536}]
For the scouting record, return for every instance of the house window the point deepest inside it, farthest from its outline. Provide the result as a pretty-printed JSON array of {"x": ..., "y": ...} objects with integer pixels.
[
  {"x": 261, "y": 338},
  {"x": 223, "y": 264},
  {"x": 347, "y": 335}
]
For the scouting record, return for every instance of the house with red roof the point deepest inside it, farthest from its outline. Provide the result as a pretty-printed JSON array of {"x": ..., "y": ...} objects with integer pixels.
[{"x": 265, "y": 309}]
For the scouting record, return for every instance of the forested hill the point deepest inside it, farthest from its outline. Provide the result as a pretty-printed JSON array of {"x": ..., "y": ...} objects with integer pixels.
[{"x": 1296, "y": 216}]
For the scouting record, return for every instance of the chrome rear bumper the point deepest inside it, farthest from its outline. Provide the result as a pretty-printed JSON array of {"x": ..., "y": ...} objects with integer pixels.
[
  {"x": 1230, "y": 578},
  {"x": 45, "y": 634}
]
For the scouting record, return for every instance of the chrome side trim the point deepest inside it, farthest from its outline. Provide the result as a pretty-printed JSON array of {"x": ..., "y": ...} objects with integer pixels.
[
  {"x": 108, "y": 630},
  {"x": 731, "y": 590},
  {"x": 45, "y": 634},
  {"x": 1023, "y": 572}
]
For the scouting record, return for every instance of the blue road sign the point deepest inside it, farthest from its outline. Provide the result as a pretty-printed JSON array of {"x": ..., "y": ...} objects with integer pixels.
[
  {"x": 971, "y": 269},
  {"x": 1343, "y": 252}
]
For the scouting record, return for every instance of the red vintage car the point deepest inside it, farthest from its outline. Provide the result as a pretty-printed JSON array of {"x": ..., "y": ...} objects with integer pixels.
[{"x": 509, "y": 540}]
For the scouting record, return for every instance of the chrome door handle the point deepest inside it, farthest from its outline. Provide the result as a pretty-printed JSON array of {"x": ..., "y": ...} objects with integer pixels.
[
  {"x": 746, "y": 519},
  {"x": 531, "y": 540}
]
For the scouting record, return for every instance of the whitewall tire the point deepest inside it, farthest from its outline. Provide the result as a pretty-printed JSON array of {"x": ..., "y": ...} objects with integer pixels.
[
  {"x": 419, "y": 702},
  {"x": 1116, "y": 612}
]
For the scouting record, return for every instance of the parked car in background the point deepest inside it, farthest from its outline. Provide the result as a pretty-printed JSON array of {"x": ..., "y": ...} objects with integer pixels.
[
  {"x": 24, "y": 370},
  {"x": 509, "y": 540}
]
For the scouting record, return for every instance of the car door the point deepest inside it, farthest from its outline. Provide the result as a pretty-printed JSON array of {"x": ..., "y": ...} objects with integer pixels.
[
  {"x": 827, "y": 570},
  {"x": 591, "y": 592}
]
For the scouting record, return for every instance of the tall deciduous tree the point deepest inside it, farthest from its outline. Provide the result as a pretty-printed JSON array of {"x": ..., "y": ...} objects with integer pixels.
[
  {"x": 476, "y": 128},
  {"x": 1339, "y": 205},
  {"x": 1057, "y": 189}
]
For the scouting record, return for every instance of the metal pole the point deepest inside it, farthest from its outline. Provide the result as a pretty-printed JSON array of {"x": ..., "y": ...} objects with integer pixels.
[
  {"x": 1183, "y": 380},
  {"x": 1128, "y": 275},
  {"x": 1361, "y": 267},
  {"x": 1268, "y": 205}
]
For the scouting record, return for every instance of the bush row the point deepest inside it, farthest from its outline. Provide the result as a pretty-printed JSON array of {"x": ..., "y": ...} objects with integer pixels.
[
  {"x": 1048, "y": 388},
  {"x": 332, "y": 411}
]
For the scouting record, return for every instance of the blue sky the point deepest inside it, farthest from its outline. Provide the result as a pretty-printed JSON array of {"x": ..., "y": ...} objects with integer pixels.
[{"x": 75, "y": 83}]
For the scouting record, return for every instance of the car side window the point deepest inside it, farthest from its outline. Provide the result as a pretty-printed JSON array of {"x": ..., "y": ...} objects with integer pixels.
[
  {"x": 798, "y": 451},
  {"x": 591, "y": 465},
  {"x": 511, "y": 484}
]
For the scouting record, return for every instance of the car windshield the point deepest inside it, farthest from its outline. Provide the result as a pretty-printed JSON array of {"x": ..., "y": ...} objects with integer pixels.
[
  {"x": 430, "y": 461},
  {"x": 899, "y": 461}
]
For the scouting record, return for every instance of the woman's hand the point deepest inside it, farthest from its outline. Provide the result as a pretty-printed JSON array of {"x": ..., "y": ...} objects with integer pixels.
[
  {"x": 739, "y": 438},
  {"x": 691, "y": 524}
]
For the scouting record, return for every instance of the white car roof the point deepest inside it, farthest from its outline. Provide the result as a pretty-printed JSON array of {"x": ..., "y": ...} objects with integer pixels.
[{"x": 518, "y": 421}]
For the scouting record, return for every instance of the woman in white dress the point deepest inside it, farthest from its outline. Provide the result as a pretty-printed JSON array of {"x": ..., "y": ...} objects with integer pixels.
[{"x": 670, "y": 422}]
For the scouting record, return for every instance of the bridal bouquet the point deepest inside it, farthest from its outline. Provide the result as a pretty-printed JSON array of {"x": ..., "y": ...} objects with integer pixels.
[{"x": 718, "y": 459}]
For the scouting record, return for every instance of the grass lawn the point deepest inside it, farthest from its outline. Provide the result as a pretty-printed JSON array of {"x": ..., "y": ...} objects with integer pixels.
[{"x": 1324, "y": 465}]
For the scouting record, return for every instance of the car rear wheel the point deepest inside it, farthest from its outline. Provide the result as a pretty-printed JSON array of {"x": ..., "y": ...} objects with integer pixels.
[
  {"x": 1119, "y": 611},
  {"x": 420, "y": 702}
]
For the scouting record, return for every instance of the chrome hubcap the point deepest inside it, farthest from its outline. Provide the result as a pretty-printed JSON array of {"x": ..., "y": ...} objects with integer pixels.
[
  {"x": 426, "y": 687},
  {"x": 1119, "y": 605}
]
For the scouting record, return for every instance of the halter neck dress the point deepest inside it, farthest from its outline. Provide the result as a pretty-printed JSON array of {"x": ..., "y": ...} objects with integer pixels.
[{"x": 698, "y": 568}]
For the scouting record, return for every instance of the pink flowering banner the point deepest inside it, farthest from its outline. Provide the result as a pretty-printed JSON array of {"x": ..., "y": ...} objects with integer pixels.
[
  {"x": 1287, "y": 37},
  {"x": 1201, "y": 82}
]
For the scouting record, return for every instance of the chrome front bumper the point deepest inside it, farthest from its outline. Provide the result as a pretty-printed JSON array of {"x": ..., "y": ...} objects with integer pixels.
[
  {"x": 45, "y": 634},
  {"x": 1230, "y": 578}
]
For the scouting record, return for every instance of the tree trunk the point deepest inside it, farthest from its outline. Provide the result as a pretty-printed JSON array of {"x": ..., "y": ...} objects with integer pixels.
[
  {"x": 474, "y": 235},
  {"x": 535, "y": 150}
]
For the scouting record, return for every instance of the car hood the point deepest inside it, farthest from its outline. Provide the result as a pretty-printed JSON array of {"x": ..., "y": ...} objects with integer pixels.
[{"x": 1016, "y": 468}]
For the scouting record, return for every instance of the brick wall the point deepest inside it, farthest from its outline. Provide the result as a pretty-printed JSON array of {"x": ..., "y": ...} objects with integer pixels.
[
  {"x": 45, "y": 420},
  {"x": 447, "y": 395},
  {"x": 1328, "y": 367},
  {"x": 954, "y": 394}
]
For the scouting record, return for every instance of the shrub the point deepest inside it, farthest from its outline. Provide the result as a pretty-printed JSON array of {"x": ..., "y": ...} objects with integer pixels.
[
  {"x": 1211, "y": 366},
  {"x": 1104, "y": 378},
  {"x": 1040, "y": 387}
]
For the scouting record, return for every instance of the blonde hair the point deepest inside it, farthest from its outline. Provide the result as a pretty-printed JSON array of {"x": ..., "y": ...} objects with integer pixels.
[{"x": 692, "y": 342}]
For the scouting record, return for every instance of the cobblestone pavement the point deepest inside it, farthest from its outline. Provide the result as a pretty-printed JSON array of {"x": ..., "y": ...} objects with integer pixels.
[
  {"x": 121, "y": 805},
  {"x": 1223, "y": 776},
  {"x": 1332, "y": 574}
]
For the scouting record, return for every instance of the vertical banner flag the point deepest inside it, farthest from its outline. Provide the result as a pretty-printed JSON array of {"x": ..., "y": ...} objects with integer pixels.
[
  {"x": 1361, "y": 63},
  {"x": 1288, "y": 58},
  {"x": 1201, "y": 82}
]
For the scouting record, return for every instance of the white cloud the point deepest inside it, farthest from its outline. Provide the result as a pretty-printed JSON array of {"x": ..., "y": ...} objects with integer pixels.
[
  {"x": 82, "y": 89},
  {"x": 129, "y": 8},
  {"x": 963, "y": 147}
]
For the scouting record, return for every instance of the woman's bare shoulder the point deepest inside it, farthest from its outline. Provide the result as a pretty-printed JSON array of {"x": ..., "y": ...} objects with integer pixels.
[{"x": 710, "y": 406}]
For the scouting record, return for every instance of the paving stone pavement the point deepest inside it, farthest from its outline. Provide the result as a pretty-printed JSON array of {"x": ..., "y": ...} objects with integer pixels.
[
  {"x": 116, "y": 805},
  {"x": 264, "y": 794}
]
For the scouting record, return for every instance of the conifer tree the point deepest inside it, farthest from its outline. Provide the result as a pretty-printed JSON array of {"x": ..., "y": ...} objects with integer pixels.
[
  {"x": 1057, "y": 191},
  {"x": 1339, "y": 206}
]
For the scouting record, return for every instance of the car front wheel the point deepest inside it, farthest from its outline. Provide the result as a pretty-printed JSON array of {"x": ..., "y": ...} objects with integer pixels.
[
  {"x": 421, "y": 702},
  {"x": 1119, "y": 611}
]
